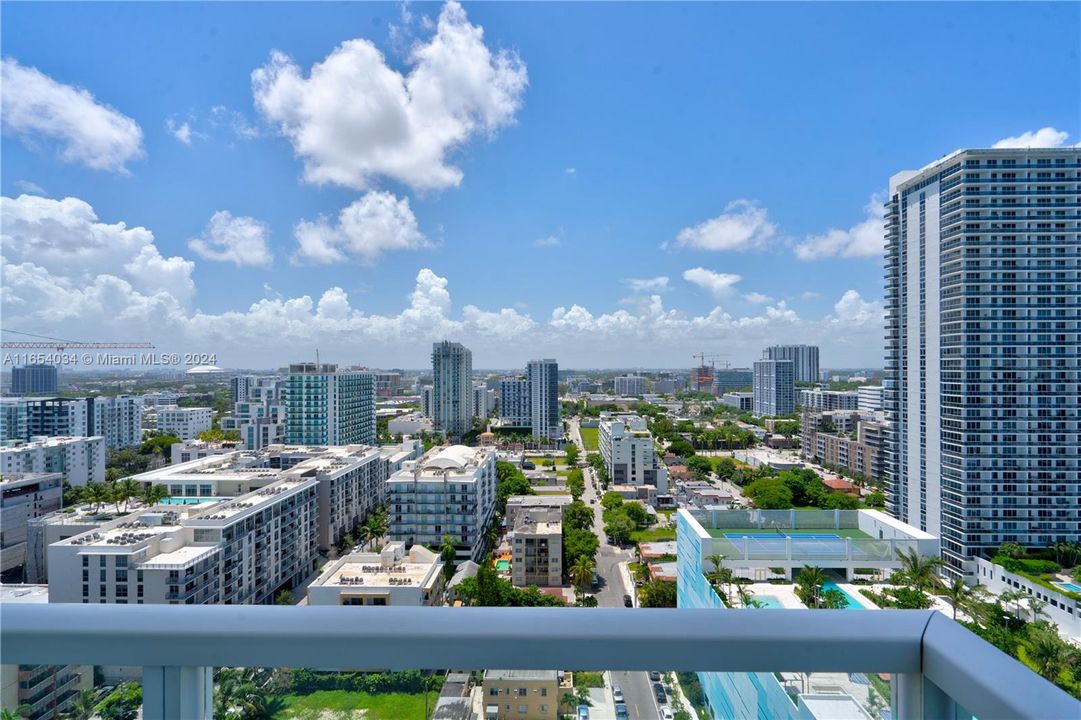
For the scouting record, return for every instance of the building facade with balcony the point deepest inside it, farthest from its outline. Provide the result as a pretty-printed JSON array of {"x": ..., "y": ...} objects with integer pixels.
[
  {"x": 259, "y": 417},
  {"x": 827, "y": 437},
  {"x": 626, "y": 446},
  {"x": 515, "y": 402},
  {"x": 328, "y": 406},
  {"x": 774, "y": 388},
  {"x": 521, "y": 695},
  {"x": 545, "y": 408},
  {"x": 982, "y": 379},
  {"x": 629, "y": 385},
  {"x": 79, "y": 460},
  {"x": 449, "y": 491},
  {"x": 536, "y": 543},
  {"x": 118, "y": 419},
  {"x": 452, "y": 388},
  {"x": 804, "y": 359},
  {"x": 184, "y": 422},
  {"x": 23, "y": 498},
  {"x": 819, "y": 399}
]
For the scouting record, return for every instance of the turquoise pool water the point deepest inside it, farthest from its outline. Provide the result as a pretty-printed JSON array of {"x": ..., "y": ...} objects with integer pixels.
[
  {"x": 1072, "y": 587},
  {"x": 503, "y": 565},
  {"x": 769, "y": 602},
  {"x": 853, "y": 604},
  {"x": 190, "y": 500}
]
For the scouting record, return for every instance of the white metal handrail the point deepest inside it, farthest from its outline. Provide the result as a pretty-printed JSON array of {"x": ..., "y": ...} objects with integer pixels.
[{"x": 940, "y": 667}]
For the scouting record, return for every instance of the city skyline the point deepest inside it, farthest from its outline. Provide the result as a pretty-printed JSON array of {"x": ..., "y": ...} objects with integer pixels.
[{"x": 233, "y": 216}]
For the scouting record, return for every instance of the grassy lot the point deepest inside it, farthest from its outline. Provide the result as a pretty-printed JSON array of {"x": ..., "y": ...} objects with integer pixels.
[
  {"x": 845, "y": 532},
  {"x": 589, "y": 438},
  {"x": 653, "y": 535},
  {"x": 344, "y": 704},
  {"x": 714, "y": 460}
]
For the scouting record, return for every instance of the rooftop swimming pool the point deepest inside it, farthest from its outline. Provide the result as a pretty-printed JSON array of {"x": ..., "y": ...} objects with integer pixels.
[
  {"x": 769, "y": 602},
  {"x": 853, "y": 604},
  {"x": 1069, "y": 586},
  {"x": 190, "y": 500},
  {"x": 503, "y": 565}
]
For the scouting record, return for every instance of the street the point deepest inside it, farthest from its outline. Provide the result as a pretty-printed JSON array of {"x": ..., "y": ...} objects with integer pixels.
[{"x": 636, "y": 686}]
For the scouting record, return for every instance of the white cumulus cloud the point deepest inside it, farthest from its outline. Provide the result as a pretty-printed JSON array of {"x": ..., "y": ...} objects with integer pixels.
[
  {"x": 864, "y": 239},
  {"x": 376, "y": 223},
  {"x": 181, "y": 132},
  {"x": 653, "y": 284},
  {"x": 757, "y": 298},
  {"x": 1047, "y": 137},
  {"x": 742, "y": 226},
  {"x": 36, "y": 107},
  {"x": 719, "y": 284},
  {"x": 353, "y": 118},
  {"x": 239, "y": 240}
]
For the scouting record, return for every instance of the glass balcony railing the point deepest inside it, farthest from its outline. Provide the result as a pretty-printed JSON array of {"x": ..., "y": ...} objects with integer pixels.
[{"x": 937, "y": 668}]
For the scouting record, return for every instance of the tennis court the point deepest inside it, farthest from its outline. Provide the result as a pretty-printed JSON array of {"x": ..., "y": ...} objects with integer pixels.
[
  {"x": 779, "y": 533},
  {"x": 803, "y": 545},
  {"x": 820, "y": 533}
]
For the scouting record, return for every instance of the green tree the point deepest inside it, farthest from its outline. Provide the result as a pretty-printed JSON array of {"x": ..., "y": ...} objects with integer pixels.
[
  {"x": 700, "y": 466},
  {"x": 809, "y": 585},
  {"x": 788, "y": 428},
  {"x": 285, "y": 597},
  {"x": 1011, "y": 550},
  {"x": 833, "y": 599},
  {"x": 682, "y": 448},
  {"x": 839, "y": 501},
  {"x": 725, "y": 468},
  {"x": 577, "y": 544},
  {"x": 82, "y": 706},
  {"x": 123, "y": 703},
  {"x": 770, "y": 494},
  {"x": 578, "y": 515},
  {"x": 96, "y": 494},
  {"x": 125, "y": 490},
  {"x": 657, "y": 593},
  {"x": 576, "y": 483},
  {"x": 1046, "y": 650},
  {"x": 619, "y": 528},
  {"x": 449, "y": 553},
  {"x": 581, "y": 573},
  {"x": 153, "y": 494},
  {"x": 611, "y": 500},
  {"x": 572, "y": 453},
  {"x": 919, "y": 571}
]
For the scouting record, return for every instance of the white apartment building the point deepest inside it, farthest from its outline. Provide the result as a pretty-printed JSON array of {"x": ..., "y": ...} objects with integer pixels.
[
  {"x": 184, "y": 422},
  {"x": 24, "y": 497},
  {"x": 48, "y": 690},
  {"x": 626, "y": 446},
  {"x": 982, "y": 352},
  {"x": 483, "y": 400},
  {"x": 519, "y": 505},
  {"x": 452, "y": 392},
  {"x": 328, "y": 406},
  {"x": 162, "y": 397},
  {"x": 774, "y": 388},
  {"x": 449, "y": 491},
  {"x": 409, "y": 424},
  {"x": 392, "y": 576},
  {"x": 536, "y": 541},
  {"x": 739, "y": 400},
  {"x": 43, "y": 531},
  {"x": 545, "y": 409},
  {"x": 804, "y": 360},
  {"x": 515, "y": 402},
  {"x": 189, "y": 450},
  {"x": 118, "y": 419},
  {"x": 629, "y": 385},
  {"x": 822, "y": 400},
  {"x": 351, "y": 479},
  {"x": 78, "y": 459},
  {"x": 869, "y": 398},
  {"x": 238, "y": 551},
  {"x": 259, "y": 417}
]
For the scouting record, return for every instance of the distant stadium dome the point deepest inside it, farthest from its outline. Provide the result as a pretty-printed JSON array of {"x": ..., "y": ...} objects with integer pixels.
[{"x": 205, "y": 370}]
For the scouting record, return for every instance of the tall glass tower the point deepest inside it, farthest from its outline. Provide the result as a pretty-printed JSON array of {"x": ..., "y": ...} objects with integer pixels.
[
  {"x": 981, "y": 391},
  {"x": 327, "y": 406},
  {"x": 452, "y": 388}
]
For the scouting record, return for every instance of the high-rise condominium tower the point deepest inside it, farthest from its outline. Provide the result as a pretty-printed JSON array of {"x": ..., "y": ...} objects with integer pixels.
[
  {"x": 774, "y": 388},
  {"x": 544, "y": 398},
  {"x": 804, "y": 359},
  {"x": 981, "y": 391},
  {"x": 328, "y": 406},
  {"x": 452, "y": 388}
]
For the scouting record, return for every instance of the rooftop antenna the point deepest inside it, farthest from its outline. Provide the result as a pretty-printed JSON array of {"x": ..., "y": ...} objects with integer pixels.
[{"x": 317, "y": 359}]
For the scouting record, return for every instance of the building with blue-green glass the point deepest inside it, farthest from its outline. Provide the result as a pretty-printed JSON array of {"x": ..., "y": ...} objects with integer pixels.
[{"x": 328, "y": 406}]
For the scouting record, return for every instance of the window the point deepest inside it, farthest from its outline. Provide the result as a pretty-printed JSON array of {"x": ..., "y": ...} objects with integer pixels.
[
  {"x": 523, "y": 709},
  {"x": 523, "y": 692},
  {"x": 493, "y": 692}
]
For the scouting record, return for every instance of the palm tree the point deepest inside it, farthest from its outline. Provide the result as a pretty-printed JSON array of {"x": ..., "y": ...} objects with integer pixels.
[
  {"x": 378, "y": 524},
  {"x": 365, "y": 535},
  {"x": 1015, "y": 597},
  {"x": 1061, "y": 549},
  {"x": 1011, "y": 550},
  {"x": 958, "y": 593},
  {"x": 745, "y": 595},
  {"x": 82, "y": 706},
  {"x": 1047, "y": 651},
  {"x": 126, "y": 489},
  {"x": 581, "y": 573},
  {"x": 920, "y": 571},
  {"x": 96, "y": 494},
  {"x": 569, "y": 701},
  {"x": 813, "y": 578},
  {"x": 1036, "y": 606},
  {"x": 154, "y": 494},
  {"x": 449, "y": 553}
]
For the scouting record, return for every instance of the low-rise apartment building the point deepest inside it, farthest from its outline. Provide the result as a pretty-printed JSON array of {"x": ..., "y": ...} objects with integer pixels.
[
  {"x": 536, "y": 549},
  {"x": 823, "y": 439},
  {"x": 819, "y": 399},
  {"x": 80, "y": 460},
  {"x": 47, "y": 691},
  {"x": 517, "y": 505},
  {"x": 24, "y": 497},
  {"x": 626, "y": 446},
  {"x": 739, "y": 400},
  {"x": 238, "y": 551},
  {"x": 118, "y": 419},
  {"x": 392, "y": 576},
  {"x": 449, "y": 491},
  {"x": 189, "y": 450},
  {"x": 521, "y": 695},
  {"x": 184, "y": 422}
]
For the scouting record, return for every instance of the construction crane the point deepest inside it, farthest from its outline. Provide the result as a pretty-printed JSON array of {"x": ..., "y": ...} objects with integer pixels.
[
  {"x": 702, "y": 358},
  {"x": 703, "y": 374},
  {"x": 51, "y": 343}
]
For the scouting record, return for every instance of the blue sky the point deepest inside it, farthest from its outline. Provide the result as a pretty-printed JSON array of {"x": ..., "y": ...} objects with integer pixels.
[{"x": 505, "y": 189}]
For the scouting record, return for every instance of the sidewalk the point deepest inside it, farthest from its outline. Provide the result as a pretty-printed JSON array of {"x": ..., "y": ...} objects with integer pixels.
[{"x": 677, "y": 691}]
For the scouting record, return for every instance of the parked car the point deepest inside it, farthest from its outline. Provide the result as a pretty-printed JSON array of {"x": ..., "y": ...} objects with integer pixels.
[
  {"x": 655, "y": 675},
  {"x": 621, "y": 712},
  {"x": 617, "y": 694},
  {"x": 583, "y": 712},
  {"x": 658, "y": 691},
  {"x": 667, "y": 714},
  {"x": 627, "y": 602}
]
